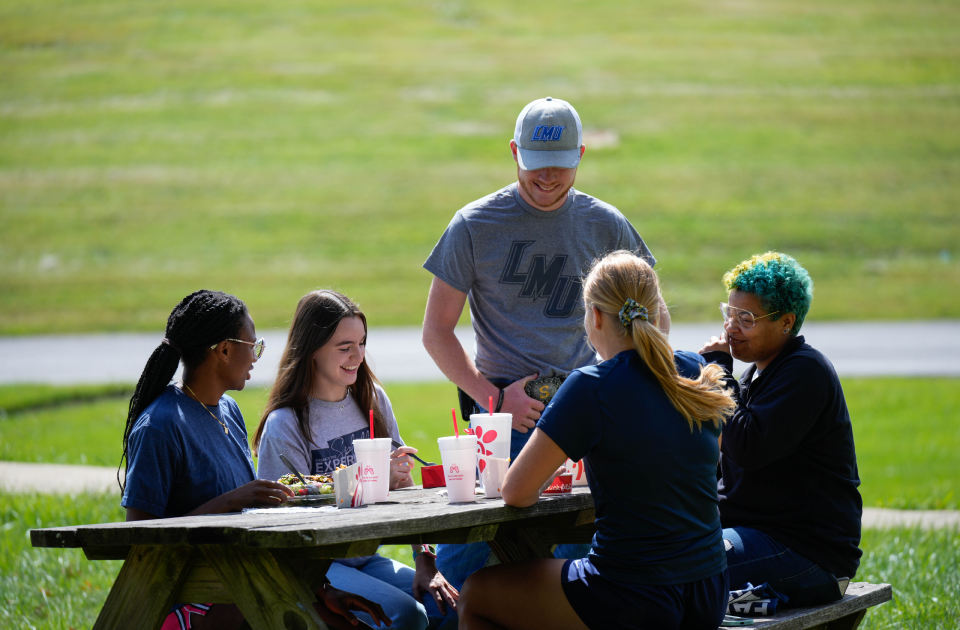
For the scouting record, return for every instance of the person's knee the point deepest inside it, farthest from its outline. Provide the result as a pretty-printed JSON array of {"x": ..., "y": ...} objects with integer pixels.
[
  {"x": 470, "y": 594},
  {"x": 411, "y": 615}
]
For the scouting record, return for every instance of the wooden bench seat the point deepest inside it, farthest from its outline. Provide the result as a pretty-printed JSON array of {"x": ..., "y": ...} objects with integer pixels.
[{"x": 845, "y": 614}]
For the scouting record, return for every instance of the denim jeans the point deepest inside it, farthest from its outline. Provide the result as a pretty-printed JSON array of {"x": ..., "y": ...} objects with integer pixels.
[
  {"x": 390, "y": 584},
  {"x": 754, "y": 557}
]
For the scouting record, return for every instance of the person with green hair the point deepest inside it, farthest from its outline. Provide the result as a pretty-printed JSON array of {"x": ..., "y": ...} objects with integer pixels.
[{"x": 789, "y": 503}]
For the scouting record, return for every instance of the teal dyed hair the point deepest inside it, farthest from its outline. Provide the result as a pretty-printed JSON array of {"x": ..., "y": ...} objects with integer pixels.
[{"x": 778, "y": 280}]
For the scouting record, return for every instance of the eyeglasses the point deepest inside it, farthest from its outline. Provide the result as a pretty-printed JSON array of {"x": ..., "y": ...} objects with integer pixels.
[
  {"x": 746, "y": 319},
  {"x": 258, "y": 346}
]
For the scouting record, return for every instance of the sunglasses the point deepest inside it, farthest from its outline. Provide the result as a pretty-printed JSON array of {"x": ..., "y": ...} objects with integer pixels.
[
  {"x": 746, "y": 319},
  {"x": 258, "y": 346}
]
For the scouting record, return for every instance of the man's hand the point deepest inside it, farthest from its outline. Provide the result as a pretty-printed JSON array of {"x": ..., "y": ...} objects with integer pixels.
[
  {"x": 341, "y": 603},
  {"x": 525, "y": 410},
  {"x": 401, "y": 465},
  {"x": 717, "y": 344},
  {"x": 429, "y": 582}
]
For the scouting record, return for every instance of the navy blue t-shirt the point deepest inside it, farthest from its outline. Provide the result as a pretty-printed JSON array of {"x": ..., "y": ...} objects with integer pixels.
[
  {"x": 180, "y": 458},
  {"x": 654, "y": 482}
]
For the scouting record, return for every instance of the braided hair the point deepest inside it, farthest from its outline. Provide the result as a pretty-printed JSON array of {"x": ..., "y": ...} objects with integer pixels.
[{"x": 200, "y": 320}]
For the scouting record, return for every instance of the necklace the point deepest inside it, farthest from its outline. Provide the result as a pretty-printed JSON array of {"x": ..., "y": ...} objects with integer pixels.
[{"x": 197, "y": 398}]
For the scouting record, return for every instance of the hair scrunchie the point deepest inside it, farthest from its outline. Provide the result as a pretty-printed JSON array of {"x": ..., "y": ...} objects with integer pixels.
[
  {"x": 168, "y": 342},
  {"x": 631, "y": 310}
]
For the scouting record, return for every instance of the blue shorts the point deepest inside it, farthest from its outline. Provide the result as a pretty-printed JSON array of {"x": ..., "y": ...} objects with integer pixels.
[{"x": 602, "y": 603}]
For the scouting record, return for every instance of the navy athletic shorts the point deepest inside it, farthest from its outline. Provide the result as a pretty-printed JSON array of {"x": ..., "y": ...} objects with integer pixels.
[{"x": 603, "y": 604}]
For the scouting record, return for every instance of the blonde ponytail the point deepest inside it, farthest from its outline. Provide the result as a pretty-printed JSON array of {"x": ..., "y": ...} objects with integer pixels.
[{"x": 622, "y": 277}]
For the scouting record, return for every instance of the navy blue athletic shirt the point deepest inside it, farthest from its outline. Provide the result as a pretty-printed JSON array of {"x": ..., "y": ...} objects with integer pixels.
[
  {"x": 789, "y": 467},
  {"x": 653, "y": 480},
  {"x": 180, "y": 458}
]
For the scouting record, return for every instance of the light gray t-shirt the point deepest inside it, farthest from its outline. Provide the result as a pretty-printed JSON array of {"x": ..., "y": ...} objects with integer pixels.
[
  {"x": 522, "y": 269},
  {"x": 333, "y": 425}
]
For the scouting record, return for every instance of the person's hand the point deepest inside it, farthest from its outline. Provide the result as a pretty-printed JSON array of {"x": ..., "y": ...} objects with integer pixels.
[
  {"x": 549, "y": 481},
  {"x": 342, "y": 602},
  {"x": 717, "y": 344},
  {"x": 401, "y": 466},
  {"x": 258, "y": 493},
  {"x": 525, "y": 410},
  {"x": 429, "y": 581}
]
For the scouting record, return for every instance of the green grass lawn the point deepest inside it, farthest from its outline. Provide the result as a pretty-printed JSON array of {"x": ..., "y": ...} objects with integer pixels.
[
  {"x": 906, "y": 431},
  {"x": 150, "y": 149},
  {"x": 58, "y": 589}
]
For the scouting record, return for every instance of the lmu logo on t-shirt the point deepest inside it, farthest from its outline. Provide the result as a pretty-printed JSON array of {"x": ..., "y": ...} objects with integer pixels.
[
  {"x": 543, "y": 280},
  {"x": 339, "y": 451}
]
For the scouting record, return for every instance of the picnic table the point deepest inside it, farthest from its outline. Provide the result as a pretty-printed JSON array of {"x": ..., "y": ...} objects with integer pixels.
[{"x": 271, "y": 562}]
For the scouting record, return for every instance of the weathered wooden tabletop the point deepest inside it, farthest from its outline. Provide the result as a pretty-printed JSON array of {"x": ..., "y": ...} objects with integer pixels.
[{"x": 270, "y": 562}]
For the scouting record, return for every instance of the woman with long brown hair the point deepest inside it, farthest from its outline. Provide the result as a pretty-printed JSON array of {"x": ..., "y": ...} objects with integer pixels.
[
  {"x": 648, "y": 438},
  {"x": 186, "y": 443},
  {"x": 318, "y": 406}
]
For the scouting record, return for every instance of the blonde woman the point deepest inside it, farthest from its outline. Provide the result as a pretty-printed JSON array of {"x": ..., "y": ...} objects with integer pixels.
[{"x": 648, "y": 437}]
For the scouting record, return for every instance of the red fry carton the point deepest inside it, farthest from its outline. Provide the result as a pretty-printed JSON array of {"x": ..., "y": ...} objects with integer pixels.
[
  {"x": 561, "y": 485},
  {"x": 433, "y": 476}
]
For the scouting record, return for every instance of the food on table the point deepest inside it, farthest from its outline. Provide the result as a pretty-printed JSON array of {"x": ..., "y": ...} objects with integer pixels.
[{"x": 316, "y": 484}]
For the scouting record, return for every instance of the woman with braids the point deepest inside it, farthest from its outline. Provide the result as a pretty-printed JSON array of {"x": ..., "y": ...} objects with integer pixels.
[
  {"x": 648, "y": 437},
  {"x": 318, "y": 406},
  {"x": 186, "y": 443},
  {"x": 789, "y": 502}
]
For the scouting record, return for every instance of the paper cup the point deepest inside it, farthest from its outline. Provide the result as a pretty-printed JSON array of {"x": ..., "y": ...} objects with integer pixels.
[
  {"x": 578, "y": 471},
  {"x": 375, "y": 471},
  {"x": 347, "y": 486},
  {"x": 459, "y": 457},
  {"x": 493, "y": 475},
  {"x": 493, "y": 438}
]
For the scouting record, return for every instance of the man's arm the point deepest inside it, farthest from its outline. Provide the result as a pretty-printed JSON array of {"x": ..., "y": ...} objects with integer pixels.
[{"x": 444, "y": 306}]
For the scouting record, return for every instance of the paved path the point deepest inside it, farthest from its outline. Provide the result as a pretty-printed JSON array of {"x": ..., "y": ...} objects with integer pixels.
[
  {"x": 30, "y": 478},
  {"x": 396, "y": 354}
]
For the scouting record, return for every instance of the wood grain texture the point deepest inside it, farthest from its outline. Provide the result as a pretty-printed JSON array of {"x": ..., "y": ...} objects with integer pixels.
[
  {"x": 841, "y": 615},
  {"x": 146, "y": 587},
  {"x": 460, "y": 536},
  {"x": 203, "y": 584},
  {"x": 411, "y": 512},
  {"x": 265, "y": 589}
]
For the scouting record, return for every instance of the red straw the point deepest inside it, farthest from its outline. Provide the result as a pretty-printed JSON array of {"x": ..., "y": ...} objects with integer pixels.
[
  {"x": 456, "y": 431},
  {"x": 371, "y": 424},
  {"x": 490, "y": 405}
]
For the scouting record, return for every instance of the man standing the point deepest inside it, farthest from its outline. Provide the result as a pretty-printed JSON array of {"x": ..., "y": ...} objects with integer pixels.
[{"x": 519, "y": 254}]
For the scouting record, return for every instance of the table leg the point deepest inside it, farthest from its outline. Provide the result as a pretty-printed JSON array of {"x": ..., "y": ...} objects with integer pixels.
[
  {"x": 149, "y": 580},
  {"x": 268, "y": 593}
]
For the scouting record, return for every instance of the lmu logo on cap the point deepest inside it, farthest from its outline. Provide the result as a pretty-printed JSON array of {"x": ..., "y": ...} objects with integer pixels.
[
  {"x": 545, "y": 133},
  {"x": 548, "y": 135}
]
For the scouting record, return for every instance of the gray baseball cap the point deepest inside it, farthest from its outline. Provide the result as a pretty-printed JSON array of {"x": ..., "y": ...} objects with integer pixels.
[{"x": 548, "y": 134}]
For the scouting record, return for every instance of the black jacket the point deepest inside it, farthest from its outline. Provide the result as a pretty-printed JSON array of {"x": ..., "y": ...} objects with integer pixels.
[{"x": 787, "y": 463}]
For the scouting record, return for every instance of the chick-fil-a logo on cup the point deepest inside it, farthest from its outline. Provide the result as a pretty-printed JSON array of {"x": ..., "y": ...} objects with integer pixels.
[
  {"x": 369, "y": 474},
  {"x": 453, "y": 473},
  {"x": 484, "y": 438}
]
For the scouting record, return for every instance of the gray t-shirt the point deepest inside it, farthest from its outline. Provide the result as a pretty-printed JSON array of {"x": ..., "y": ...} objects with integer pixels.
[
  {"x": 522, "y": 269},
  {"x": 333, "y": 425}
]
